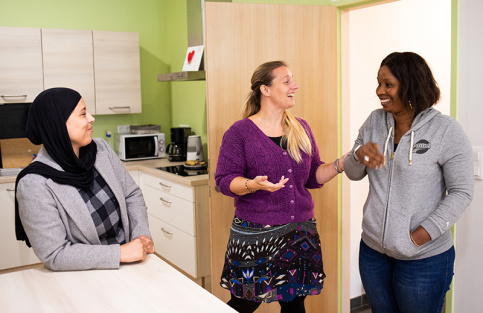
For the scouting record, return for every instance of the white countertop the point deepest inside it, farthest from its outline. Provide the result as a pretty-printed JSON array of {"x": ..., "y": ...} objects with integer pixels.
[
  {"x": 149, "y": 286},
  {"x": 149, "y": 167}
]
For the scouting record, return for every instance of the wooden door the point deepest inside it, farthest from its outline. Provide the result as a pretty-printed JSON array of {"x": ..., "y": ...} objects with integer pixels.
[{"x": 238, "y": 38}]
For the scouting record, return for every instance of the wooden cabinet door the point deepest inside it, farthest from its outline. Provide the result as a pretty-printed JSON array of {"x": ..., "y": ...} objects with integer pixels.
[
  {"x": 117, "y": 72},
  {"x": 239, "y": 37},
  {"x": 20, "y": 64},
  {"x": 15, "y": 253},
  {"x": 69, "y": 62}
]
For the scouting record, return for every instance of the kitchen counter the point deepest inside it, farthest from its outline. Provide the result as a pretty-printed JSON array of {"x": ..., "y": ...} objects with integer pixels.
[
  {"x": 149, "y": 286},
  {"x": 149, "y": 166}
]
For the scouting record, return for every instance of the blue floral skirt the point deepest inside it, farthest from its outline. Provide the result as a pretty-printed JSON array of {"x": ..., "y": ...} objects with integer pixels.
[{"x": 266, "y": 263}]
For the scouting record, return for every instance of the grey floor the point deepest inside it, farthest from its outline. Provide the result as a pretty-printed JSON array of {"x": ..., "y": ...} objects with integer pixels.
[{"x": 362, "y": 309}]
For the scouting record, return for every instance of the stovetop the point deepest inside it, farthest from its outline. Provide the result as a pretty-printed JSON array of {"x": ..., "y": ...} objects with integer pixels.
[{"x": 183, "y": 171}]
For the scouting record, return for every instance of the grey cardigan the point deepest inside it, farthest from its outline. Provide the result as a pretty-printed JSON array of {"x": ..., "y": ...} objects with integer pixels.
[
  {"x": 57, "y": 220},
  {"x": 427, "y": 181}
]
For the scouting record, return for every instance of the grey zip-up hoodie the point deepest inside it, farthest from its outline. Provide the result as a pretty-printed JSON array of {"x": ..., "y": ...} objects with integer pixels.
[{"x": 428, "y": 181}]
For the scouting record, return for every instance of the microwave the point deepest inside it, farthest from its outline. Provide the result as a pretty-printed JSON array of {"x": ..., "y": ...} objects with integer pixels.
[{"x": 130, "y": 147}]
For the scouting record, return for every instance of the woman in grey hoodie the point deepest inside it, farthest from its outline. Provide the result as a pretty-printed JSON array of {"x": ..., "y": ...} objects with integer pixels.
[{"x": 420, "y": 169}]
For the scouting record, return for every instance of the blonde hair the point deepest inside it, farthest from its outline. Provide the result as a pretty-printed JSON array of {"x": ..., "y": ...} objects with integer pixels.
[{"x": 294, "y": 132}]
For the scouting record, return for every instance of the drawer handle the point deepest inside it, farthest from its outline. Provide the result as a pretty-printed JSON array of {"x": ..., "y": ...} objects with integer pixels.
[
  {"x": 164, "y": 185},
  {"x": 120, "y": 108},
  {"x": 8, "y": 189},
  {"x": 165, "y": 201},
  {"x": 166, "y": 232}
]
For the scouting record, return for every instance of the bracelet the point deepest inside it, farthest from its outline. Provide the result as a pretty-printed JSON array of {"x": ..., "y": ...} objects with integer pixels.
[
  {"x": 412, "y": 239},
  {"x": 337, "y": 167},
  {"x": 246, "y": 186}
]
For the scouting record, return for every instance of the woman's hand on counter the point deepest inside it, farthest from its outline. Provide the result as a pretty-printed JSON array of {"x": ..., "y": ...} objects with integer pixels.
[{"x": 136, "y": 250}]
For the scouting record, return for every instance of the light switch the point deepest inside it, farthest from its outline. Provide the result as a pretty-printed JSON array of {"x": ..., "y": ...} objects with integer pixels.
[{"x": 478, "y": 162}]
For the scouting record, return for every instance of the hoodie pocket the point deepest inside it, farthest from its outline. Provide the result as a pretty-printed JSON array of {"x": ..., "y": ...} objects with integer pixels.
[{"x": 397, "y": 242}]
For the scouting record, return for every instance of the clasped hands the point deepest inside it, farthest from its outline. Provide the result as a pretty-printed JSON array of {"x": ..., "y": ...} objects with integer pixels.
[
  {"x": 370, "y": 156},
  {"x": 137, "y": 249}
]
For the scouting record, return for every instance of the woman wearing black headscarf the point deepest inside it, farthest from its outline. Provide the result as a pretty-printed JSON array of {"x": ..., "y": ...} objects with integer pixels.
[{"x": 76, "y": 205}]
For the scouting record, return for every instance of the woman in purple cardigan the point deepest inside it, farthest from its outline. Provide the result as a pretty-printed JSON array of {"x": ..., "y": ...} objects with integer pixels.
[{"x": 267, "y": 163}]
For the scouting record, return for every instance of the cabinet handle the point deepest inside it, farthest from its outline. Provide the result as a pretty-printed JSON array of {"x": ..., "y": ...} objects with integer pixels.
[
  {"x": 124, "y": 107},
  {"x": 8, "y": 189},
  {"x": 164, "y": 185},
  {"x": 166, "y": 232},
  {"x": 13, "y": 96},
  {"x": 165, "y": 201}
]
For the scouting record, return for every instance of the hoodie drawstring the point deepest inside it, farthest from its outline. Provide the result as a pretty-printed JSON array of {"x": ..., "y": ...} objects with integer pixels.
[
  {"x": 387, "y": 140},
  {"x": 411, "y": 148}
]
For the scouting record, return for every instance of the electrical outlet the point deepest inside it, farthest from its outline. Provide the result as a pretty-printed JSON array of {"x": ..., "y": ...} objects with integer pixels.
[{"x": 122, "y": 129}]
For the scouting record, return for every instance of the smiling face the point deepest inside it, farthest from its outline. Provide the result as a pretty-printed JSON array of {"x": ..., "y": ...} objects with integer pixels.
[
  {"x": 282, "y": 89},
  {"x": 79, "y": 127},
  {"x": 388, "y": 91}
]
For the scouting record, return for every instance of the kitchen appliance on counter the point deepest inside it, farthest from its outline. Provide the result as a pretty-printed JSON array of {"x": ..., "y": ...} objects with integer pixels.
[
  {"x": 194, "y": 149},
  {"x": 182, "y": 170},
  {"x": 178, "y": 147},
  {"x": 131, "y": 147}
]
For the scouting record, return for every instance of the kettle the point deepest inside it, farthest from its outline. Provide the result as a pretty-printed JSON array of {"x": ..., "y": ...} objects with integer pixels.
[{"x": 195, "y": 149}]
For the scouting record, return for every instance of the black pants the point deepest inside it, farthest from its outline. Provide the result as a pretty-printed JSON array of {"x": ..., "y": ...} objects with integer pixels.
[{"x": 245, "y": 306}]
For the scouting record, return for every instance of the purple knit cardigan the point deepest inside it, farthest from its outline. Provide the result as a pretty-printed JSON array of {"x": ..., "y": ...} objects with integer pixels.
[{"x": 247, "y": 152}]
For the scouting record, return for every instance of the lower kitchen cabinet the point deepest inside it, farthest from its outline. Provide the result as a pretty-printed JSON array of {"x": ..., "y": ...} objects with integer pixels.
[
  {"x": 135, "y": 176},
  {"x": 14, "y": 253},
  {"x": 179, "y": 223}
]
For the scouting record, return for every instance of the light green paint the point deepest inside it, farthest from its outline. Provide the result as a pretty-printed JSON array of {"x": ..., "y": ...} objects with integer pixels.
[
  {"x": 188, "y": 98},
  {"x": 339, "y": 152},
  {"x": 455, "y": 24}
]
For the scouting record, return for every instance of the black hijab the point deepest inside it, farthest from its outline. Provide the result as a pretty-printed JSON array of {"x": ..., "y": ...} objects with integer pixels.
[{"x": 46, "y": 124}]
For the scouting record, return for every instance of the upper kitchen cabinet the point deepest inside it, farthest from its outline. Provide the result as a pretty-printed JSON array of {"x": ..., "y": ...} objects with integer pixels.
[
  {"x": 69, "y": 62},
  {"x": 20, "y": 64},
  {"x": 117, "y": 72},
  {"x": 103, "y": 66}
]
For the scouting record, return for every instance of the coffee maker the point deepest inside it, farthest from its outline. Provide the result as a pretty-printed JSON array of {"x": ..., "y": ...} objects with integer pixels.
[{"x": 178, "y": 147}]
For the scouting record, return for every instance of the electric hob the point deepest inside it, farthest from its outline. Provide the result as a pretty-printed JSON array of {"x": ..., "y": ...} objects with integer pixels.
[{"x": 183, "y": 171}]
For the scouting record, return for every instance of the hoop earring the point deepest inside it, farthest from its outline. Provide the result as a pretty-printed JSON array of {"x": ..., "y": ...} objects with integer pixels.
[{"x": 410, "y": 105}]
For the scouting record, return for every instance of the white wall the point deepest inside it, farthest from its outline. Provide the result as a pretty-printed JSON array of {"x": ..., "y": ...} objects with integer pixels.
[
  {"x": 468, "y": 283},
  {"x": 421, "y": 26}
]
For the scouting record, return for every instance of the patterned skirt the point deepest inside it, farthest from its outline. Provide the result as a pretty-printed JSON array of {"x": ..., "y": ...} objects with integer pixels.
[{"x": 266, "y": 263}]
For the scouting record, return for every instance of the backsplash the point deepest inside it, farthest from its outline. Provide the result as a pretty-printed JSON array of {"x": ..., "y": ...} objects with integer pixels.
[{"x": 17, "y": 152}]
